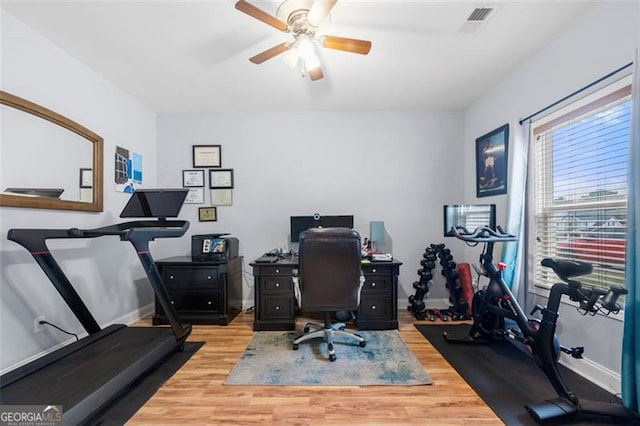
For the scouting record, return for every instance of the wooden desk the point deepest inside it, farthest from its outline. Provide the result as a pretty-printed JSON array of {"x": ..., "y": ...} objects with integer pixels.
[{"x": 275, "y": 303}]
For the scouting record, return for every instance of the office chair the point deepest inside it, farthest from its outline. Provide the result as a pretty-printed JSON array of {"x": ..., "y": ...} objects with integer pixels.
[{"x": 329, "y": 280}]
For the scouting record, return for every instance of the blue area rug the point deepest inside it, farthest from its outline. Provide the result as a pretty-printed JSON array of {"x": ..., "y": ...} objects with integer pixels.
[{"x": 270, "y": 360}]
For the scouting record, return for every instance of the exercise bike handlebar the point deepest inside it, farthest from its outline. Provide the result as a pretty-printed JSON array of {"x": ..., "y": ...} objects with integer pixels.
[{"x": 482, "y": 234}]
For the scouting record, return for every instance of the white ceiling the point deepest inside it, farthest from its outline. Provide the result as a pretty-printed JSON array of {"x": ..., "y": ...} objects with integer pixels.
[{"x": 192, "y": 56}]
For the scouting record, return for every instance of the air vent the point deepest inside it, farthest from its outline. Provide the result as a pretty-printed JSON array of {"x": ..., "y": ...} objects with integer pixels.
[
  {"x": 479, "y": 14},
  {"x": 477, "y": 19}
]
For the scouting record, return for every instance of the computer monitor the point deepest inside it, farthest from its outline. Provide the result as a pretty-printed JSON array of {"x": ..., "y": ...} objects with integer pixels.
[
  {"x": 160, "y": 203},
  {"x": 471, "y": 216},
  {"x": 299, "y": 224}
]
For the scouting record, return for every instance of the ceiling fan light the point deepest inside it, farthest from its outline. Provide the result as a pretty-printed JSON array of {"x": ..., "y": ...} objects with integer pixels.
[
  {"x": 307, "y": 52},
  {"x": 305, "y": 47},
  {"x": 292, "y": 57},
  {"x": 311, "y": 61}
]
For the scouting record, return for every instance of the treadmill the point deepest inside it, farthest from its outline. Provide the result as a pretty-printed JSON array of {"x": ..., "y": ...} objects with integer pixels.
[{"x": 85, "y": 375}]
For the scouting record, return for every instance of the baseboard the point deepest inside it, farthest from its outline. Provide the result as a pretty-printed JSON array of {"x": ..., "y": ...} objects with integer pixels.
[
  {"x": 133, "y": 316},
  {"x": 601, "y": 376},
  {"x": 429, "y": 303},
  {"x": 128, "y": 319},
  {"x": 435, "y": 303}
]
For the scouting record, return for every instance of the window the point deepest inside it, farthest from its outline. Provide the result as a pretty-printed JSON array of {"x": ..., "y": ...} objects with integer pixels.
[{"x": 579, "y": 181}]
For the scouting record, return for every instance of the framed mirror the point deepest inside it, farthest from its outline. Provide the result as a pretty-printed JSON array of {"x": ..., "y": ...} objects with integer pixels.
[{"x": 47, "y": 160}]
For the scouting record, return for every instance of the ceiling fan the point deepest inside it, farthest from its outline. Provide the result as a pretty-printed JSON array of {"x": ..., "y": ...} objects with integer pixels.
[{"x": 302, "y": 18}]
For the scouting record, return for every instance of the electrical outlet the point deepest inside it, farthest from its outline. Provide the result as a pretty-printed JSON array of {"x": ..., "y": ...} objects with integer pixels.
[{"x": 37, "y": 327}]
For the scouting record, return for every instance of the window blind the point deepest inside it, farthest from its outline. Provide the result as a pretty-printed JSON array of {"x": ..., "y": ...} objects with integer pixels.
[{"x": 580, "y": 186}]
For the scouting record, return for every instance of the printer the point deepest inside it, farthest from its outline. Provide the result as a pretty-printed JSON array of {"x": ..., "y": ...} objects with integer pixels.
[{"x": 213, "y": 248}]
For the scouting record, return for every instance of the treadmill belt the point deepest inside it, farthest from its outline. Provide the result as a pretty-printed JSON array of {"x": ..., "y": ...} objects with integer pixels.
[{"x": 88, "y": 378}]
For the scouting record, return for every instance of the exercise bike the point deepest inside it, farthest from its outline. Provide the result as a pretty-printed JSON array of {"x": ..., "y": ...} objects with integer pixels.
[{"x": 494, "y": 303}]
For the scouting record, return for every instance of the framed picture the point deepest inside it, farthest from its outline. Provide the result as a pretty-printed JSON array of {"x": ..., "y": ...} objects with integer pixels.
[
  {"x": 222, "y": 197},
  {"x": 195, "y": 196},
  {"x": 207, "y": 214},
  {"x": 86, "y": 178},
  {"x": 207, "y": 156},
  {"x": 491, "y": 162},
  {"x": 221, "y": 179},
  {"x": 86, "y": 195},
  {"x": 193, "y": 178}
]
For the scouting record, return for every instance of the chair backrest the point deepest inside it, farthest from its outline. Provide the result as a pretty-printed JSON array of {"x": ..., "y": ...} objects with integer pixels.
[{"x": 330, "y": 265}]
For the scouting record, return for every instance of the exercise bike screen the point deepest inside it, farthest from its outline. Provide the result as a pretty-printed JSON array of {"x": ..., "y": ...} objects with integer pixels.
[{"x": 471, "y": 216}]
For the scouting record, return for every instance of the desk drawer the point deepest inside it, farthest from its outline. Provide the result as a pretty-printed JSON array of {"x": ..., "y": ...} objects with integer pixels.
[
  {"x": 177, "y": 278},
  {"x": 376, "y": 269},
  {"x": 196, "y": 302},
  {"x": 276, "y": 270},
  {"x": 271, "y": 284},
  {"x": 377, "y": 307},
  {"x": 377, "y": 284},
  {"x": 274, "y": 308}
]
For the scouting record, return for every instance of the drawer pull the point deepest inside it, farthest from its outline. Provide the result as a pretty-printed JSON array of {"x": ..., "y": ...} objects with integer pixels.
[
  {"x": 209, "y": 302},
  {"x": 171, "y": 277},
  {"x": 374, "y": 270},
  {"x": 172, "y": 302},
  {"x": 277, "y": 271},
  {"x": 373, "y": 307},
  {"x": 277, "y": 284},
  {"x": 208, "y": 277},
  {"x": 277, "y": 308},
  {"x": 373, "y": 284}
]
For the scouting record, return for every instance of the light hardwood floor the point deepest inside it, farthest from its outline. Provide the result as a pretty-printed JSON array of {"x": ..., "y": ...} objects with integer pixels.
[{"x": 196, "y": 394}]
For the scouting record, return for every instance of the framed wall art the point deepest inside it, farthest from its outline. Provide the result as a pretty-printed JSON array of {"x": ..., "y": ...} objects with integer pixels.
[
  {"x": 207, "y": 214},
  {"x": 192, "y": 178},
  {"x": 222, "y": 197},
  {"x": 491, "y": 162},
  {"x": 221, "y": 179},
  {"x": 195, "y": 196},
  {"x": 86, "y": 178},
  {"x": 207, "y": 156}
]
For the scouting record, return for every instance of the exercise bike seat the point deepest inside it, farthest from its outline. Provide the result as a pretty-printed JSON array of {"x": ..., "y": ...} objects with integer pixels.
[{"x": 566, "y": 269}]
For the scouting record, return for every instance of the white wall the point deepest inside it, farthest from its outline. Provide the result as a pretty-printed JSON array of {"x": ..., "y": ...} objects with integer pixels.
[
  {"x": 599, "y": 42},
  {"x": 106, "y": 270},
  {"x": 389, "y": 166},
  {"x": 399, "y": 167}
]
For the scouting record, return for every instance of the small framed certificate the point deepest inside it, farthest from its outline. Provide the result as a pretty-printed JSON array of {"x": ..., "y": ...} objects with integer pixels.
[
  {"x": 207, "y": 156},
  {"x": 207, "y": 214},
  {"x": 195, "y": 196},
  {"x": 222, "y": 197},
  {"x": 192, "y": 178},
  {"x": 86, "y": 195},
  {"x": 221, "y": 179},
  {"x": 86, "y": 178}
]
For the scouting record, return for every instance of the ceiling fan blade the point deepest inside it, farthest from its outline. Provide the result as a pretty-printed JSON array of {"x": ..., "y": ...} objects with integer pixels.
[
  {"x": 347, "y": 44},
  {"x": 315, "y": 73},
  {"x": 261, "y": 15},
  {"x": 270, "y": 53},
  {"x": 319, "y": 10}
]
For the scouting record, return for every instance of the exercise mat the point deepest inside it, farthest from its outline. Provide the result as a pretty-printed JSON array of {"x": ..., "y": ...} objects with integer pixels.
[{"x": 506, "y": 377}]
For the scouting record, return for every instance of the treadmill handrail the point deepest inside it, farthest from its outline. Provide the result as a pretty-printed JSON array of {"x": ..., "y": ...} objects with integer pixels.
[
  {"x": 138, "y": 233},
  {"x": 34, "y": 239}
]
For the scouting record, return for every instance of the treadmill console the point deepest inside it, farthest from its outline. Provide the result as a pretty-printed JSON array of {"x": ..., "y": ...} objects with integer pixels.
[{"x": 160, "y": 203}]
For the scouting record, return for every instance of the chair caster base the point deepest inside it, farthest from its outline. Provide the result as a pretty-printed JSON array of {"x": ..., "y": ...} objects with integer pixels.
[{"x": 332, "y": 357}]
